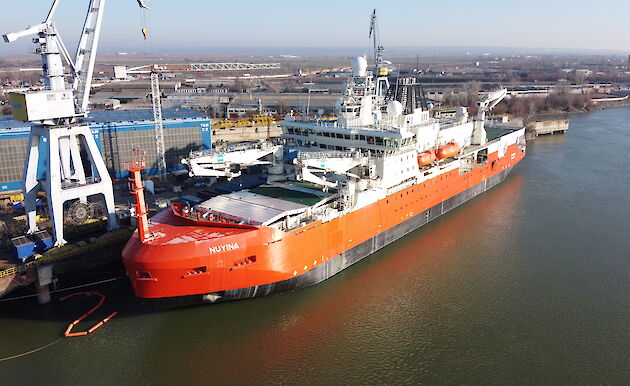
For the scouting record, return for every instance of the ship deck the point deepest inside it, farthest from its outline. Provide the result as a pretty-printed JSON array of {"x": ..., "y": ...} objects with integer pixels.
[
  {"x": 494, "y": 132},
  {"x": 262, "y": 204}
]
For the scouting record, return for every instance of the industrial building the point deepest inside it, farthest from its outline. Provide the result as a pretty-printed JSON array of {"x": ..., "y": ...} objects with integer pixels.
[{"x": 116, "y": 133}]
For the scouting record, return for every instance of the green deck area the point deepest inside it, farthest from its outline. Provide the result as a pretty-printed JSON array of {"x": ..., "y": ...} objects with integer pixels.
[
  {"x": 303, "y": 185},
  {"x": 286, "y": 194},
  {"x": 493, "y": 133}
]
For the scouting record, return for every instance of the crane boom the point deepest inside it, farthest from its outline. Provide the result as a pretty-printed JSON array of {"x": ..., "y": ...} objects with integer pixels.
[
  {"x": 52, "y": 50},
  {"x": 86, "y": 54},
  {"x": 378, "y": 49},
  {"x": 121, "y": 72},
  {"x": 489, "y": 102}
]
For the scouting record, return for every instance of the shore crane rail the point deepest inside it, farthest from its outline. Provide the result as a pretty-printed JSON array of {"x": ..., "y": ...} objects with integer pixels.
[{"x": 122, "y": 72}]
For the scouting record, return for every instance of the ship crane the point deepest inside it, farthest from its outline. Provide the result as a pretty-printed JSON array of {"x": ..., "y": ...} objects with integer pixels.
[
  {"x": 228, "y": 164},
  {"x": 123, "y": 73},
  {"x": 56, "y": 114},
  {"x": 490, "y": 102},
  {"x": 314, "y": 168},
  {"x": 487, "y": 104}
]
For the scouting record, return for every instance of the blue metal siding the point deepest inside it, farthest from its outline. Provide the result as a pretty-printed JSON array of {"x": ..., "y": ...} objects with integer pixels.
[
  {"x": 10, "y": 186},
  {"x": 118, "y": 121}
]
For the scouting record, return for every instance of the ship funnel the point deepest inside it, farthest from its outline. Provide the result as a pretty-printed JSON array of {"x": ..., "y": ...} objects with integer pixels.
[{"x": 359, "y": 66}]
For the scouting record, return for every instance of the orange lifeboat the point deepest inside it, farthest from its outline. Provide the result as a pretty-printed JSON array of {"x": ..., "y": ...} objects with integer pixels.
[
  {"x": 448, "y": 150},
  {"x": 426, "y": 157}
]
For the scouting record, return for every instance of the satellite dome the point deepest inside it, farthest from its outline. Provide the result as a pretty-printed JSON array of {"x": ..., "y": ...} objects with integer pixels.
[
  {"x": 359, "y": 66},
  {"x": 394, "y": 108}
]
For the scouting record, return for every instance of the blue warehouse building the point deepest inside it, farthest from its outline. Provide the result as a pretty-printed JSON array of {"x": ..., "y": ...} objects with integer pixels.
[{"x": 116, "y": 134}]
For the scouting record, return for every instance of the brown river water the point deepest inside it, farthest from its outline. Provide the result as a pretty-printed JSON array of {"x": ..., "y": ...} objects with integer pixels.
[{"x": 527, "y": 283}]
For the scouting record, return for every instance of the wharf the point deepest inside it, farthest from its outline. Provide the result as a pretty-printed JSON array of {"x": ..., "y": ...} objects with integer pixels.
[
  {"x": 546, "y": 127},
  {"x": 78, "y": 255}
]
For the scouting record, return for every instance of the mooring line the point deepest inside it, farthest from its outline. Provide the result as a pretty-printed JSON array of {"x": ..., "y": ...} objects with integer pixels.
[
  {"x": 64, "y": 289},
  {"x": 30, "y": 352}
]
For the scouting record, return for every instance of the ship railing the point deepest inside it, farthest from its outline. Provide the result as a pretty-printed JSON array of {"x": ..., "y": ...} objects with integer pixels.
[
  {"x": 507, "y": 127},
  {"x": 452, "y": 123},
  {"x": 327, "y": 154},
  {"x": 69, "y": 251},
  {"x": 229, "y": 149},
  {"x": 311, "y": 120}
]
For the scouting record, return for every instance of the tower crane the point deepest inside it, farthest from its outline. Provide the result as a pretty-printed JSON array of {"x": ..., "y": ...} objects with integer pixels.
[
  {"x": 378, "y": 49},
  {"x": 56, "y": 113},
  {"x": 382, "y": 84},
  {"x": 122, "y": 72}
]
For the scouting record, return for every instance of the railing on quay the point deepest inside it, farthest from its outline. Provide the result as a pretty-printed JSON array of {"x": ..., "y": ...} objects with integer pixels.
[{"x": 67, "y": 251}]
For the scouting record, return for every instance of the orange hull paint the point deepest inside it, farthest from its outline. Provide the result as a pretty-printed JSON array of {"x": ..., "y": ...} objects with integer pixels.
[{"x": 195, "y": 260}]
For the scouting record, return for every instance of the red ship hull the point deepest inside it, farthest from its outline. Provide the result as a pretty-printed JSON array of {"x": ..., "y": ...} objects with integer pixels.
[{"x": 193, "y": 263}]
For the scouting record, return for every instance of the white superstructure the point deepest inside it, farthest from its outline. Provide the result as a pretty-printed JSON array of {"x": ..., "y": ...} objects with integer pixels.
[{"x": 372, "y": 151}]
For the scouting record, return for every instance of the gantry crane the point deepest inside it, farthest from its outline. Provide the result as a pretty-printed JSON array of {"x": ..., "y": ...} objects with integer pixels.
[
  {"x": 122, "y": 72},
  {"x": 56, "y": 113}
]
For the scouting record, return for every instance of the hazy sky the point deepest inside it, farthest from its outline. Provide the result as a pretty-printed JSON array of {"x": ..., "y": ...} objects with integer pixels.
[{"x": 205, "y": 25}]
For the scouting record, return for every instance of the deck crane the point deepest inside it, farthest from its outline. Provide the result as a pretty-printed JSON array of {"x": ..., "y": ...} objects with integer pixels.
[
  {"x": 487, "y": 104},
  {"x": 56, "y": 114},
  {"x": 122, "y": 72},
  {"x": 228, "y": 164}
]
